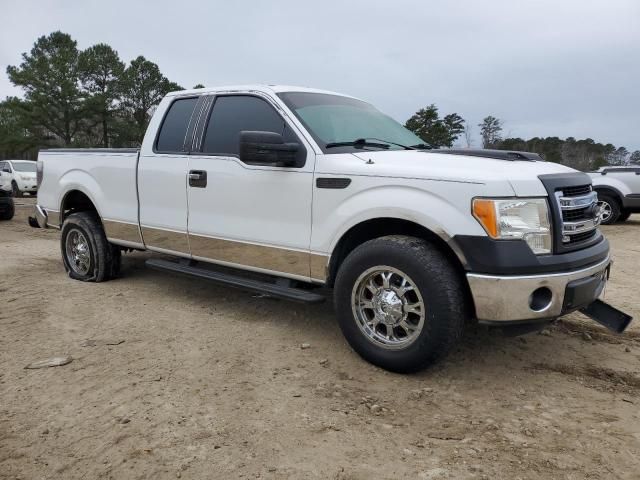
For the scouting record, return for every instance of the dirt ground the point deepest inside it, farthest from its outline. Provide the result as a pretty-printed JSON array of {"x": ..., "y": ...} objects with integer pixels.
[{"x": 176, "y": 378}]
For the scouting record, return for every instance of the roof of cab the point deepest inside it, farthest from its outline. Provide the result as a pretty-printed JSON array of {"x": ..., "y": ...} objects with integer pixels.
[{"x": 271, "y": 89}]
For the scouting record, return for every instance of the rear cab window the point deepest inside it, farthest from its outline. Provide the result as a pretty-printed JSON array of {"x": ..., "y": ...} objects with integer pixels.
[{"x": 172, "y": 135}]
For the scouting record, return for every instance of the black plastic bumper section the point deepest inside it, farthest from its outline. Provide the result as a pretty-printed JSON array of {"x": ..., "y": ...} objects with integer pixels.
[{"x": 514, "y": 257}]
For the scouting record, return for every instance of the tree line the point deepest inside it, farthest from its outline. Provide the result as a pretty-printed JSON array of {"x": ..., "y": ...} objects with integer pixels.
[
  {"x": 583, "y": 155},
  {"x": 91, "y": 98},
  {"x": 79, "y": 98}
]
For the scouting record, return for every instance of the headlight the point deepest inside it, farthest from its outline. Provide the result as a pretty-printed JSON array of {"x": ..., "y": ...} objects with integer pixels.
[{"x": 516, "y": 218}]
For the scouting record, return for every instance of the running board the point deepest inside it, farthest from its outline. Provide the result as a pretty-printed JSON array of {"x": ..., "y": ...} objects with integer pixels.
[{"x": 236, "y": 281}]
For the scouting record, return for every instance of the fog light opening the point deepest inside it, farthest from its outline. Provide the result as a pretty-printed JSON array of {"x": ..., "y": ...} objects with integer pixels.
[{"x": 540, "y": 299}]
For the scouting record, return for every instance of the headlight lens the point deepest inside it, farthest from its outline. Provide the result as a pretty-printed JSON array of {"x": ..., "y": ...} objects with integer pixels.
[{"x": 516, "y": 218}]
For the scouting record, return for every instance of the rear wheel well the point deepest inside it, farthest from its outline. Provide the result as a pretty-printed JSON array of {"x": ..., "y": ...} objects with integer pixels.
[
  {"x": 76, "y": 201},
  {"x": 381, "y": 227}
]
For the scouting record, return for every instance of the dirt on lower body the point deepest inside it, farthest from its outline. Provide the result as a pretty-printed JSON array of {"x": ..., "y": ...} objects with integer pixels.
[{"x": 173, "y": 377}]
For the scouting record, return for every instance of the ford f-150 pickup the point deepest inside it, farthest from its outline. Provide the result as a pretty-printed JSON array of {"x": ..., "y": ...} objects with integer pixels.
[{"x": 301, "y": 193}]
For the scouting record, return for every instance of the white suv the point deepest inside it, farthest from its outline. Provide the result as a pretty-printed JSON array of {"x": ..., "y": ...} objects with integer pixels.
[
  {"x": 618, "y": 192},
  {"x": 18, "y": 176}
]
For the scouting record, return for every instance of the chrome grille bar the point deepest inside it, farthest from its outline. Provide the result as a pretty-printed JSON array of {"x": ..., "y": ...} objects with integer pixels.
[{"x": 578, "y": 226}]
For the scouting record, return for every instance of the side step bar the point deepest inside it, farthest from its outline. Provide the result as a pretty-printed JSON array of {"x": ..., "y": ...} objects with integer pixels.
[{"x": 237, "y": 281}]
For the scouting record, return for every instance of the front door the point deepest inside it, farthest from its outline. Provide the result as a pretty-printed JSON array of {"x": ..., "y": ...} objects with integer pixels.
[{"x": 254, "y": 216}]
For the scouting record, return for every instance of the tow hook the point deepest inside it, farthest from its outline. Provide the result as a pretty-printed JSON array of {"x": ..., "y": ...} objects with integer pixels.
[{"x": 608, "y": 316}]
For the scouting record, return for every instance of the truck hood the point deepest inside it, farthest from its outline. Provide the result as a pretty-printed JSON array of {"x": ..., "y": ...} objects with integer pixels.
[{"x": 522, "y": 175}]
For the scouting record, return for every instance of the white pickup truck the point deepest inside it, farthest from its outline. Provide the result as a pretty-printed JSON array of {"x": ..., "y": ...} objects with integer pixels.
[{"x": 296, "y": 189}]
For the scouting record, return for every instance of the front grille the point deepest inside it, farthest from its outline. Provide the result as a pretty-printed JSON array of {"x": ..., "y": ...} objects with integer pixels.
[
  {"x": 581, "y": 237},
  {"x": 579, "y": 220},
  {"x": 574, "y": 215},
  {"x": 576, "y": 191}
]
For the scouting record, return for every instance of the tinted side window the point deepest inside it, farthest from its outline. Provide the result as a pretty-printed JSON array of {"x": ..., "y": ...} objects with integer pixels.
[
  {"x": 175, "y": 124},
  {"x": 231, "y": 115}
]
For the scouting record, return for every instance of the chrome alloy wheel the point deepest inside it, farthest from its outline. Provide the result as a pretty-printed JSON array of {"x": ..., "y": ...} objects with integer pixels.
[
  {"x": 78, "y": 253},
  {"x": 605, "y": 211},
  {"x": 388, "y": 307}
]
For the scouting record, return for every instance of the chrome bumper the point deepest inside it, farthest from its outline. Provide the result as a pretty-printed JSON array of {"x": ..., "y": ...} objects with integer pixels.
[
  {"x": 41, "y": 216},
  {"x": 45, "y": 218},
  {"x": 511, "y": 298}
]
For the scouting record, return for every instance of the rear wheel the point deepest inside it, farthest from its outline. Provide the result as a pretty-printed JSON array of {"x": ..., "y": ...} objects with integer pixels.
[
  {"x": 400, "y": 303},
  {"x": 609, "y": 209},
  {"x": 86, "y": 253}
]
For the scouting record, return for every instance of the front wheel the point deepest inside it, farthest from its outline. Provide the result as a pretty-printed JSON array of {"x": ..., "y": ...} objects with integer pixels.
[
  {"x": 86, "y": 253},
  {"x": 401, "y": 303},
  {"x": 16, "y": 190},
  {"x": 609, "y": 209}
]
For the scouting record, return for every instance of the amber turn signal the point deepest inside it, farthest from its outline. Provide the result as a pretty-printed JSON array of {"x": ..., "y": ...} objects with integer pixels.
[{"x": 485, "y": 211}]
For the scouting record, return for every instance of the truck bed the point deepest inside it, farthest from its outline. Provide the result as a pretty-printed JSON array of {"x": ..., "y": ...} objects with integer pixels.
[{"x": 106, "y": 176}]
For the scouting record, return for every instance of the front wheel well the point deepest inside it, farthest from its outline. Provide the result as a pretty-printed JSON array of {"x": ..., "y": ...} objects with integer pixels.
[
  {"x": 381, "y": 227},
  {"x": 610, "y": 192}
]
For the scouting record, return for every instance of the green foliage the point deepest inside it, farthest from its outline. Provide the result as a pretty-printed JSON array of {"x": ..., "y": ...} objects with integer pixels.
[
  {"x": 16, "y": 134},
  {"x": 49, "y": 76},
  {"x": 435, "y": 131},
  {"x": 490, "y": 131},
  {"x": 199, "y": 85},
  {"x": 142, "y": 86},
  {"x": 79, "y": 98},
  {"x": 634, "y": 159},
  {"x": 100, "y": 70}
]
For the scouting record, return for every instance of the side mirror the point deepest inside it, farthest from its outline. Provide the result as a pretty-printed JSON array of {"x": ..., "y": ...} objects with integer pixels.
[{"x": 267, "y": 148}]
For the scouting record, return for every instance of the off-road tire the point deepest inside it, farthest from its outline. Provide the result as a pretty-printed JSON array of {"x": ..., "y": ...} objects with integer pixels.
[
  {"x": 615, "y": 208},
  {"x": 105, "y": 258},
  {"x": 440, "y": 284},
  {"x": 17, "y": 193},
  {"x": 8, "y": 213}
]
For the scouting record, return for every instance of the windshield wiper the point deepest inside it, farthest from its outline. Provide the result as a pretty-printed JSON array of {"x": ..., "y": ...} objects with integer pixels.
[
  {"x": 422, "y": 146},
  {"x": 360, "y": 142}
]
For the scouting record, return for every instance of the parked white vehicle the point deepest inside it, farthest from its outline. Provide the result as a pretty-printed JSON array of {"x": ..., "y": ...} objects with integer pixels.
[
  {"x": 304, "y": 188},
  {"x": 618, "y": 192},
  {"x": 18, "y": 176}
]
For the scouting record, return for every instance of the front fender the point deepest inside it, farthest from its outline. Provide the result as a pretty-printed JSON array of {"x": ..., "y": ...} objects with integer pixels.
[
  {"x": 604, "y": 182},
  {"x": 425, "y": 208}
]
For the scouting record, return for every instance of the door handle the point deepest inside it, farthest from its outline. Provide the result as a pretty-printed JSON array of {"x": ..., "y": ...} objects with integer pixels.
[{"x": 197, "y": 178}]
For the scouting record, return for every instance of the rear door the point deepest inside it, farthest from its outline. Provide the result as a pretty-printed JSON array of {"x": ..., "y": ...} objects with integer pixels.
[
  {"x": 162, "y": 179},
  {"x": 254, "y": 216}
]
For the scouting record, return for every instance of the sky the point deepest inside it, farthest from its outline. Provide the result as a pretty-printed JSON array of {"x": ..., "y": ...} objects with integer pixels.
[{"x": 545, "y": 68}]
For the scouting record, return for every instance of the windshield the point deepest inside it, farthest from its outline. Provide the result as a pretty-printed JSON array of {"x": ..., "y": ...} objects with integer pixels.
[
  {"x": 24, "y": 166},
  {"x": 333, "y": 119}
]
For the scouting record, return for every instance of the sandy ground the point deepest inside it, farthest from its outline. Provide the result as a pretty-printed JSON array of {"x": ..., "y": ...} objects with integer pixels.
[{"x": 210, "y": 382}]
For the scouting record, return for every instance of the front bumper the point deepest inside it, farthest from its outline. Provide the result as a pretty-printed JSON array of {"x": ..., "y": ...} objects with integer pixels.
[{"x": 501, "y": 299}]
